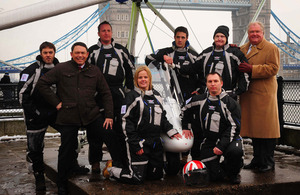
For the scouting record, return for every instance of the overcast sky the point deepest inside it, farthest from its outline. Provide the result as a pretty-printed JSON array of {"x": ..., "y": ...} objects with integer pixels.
[{"x": 24, "y": 39}]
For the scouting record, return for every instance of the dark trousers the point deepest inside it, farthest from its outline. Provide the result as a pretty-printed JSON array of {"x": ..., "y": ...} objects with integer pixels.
[
  {"x": 263, "y": 152},
  {"x": 117, "y": 130},
  {"x": 233, "y": 159},
  {"x": 35, "y": 148},
  {"x": 35, "y": 132},
  {"x": 198, "y": 138},
  {"x": 146, "y": 166},
  {"x": 96, "y": 135},
  {"x": 113, "y": 139}
]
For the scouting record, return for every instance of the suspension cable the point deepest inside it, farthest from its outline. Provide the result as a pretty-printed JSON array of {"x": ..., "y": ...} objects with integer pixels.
[
  {"x": 72, "y": 36},
  {"x": 284, "y": 50},
  {"x": 153, "y": 24},
  {"x": 145, "y": 26},
  {"x": 284, "y": 43},
  {"x": 282, "y": 25}
]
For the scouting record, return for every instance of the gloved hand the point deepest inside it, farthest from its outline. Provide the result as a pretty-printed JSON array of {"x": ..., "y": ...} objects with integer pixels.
[{"x": 245, "y": 67}]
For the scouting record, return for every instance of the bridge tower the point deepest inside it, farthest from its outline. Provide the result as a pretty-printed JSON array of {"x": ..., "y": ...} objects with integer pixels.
[{"x": 242, "y": 17}]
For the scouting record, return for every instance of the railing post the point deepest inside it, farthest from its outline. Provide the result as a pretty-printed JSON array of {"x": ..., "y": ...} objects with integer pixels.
[{"x": 280, "y": 107}]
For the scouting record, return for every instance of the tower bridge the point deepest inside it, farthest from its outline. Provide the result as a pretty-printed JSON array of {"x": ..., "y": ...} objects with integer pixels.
[
  {"x": 210, "y": 5},
  {"x": 118, "y": 15}
]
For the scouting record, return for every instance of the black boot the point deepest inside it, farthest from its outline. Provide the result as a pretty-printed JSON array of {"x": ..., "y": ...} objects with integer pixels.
[
  {"x": 39, "y": 181},
  {"x": 62, "y": 189},
  {"x": 235, "y": 179}
]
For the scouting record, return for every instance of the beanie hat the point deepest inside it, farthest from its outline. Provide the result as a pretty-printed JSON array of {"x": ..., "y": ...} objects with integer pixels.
[{"x": 224, "y": 30}]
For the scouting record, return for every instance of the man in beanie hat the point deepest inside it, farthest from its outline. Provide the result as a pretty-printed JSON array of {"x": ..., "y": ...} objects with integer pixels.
[
  {"x": 223, "y": 59},
  {"x": 223, "y": 30}
]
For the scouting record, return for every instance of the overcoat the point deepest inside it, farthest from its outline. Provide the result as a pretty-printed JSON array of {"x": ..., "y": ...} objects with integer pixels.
[{"x": 259, "y": 104}]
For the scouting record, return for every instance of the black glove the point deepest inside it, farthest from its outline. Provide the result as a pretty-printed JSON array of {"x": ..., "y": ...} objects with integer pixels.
[
  {"x": 234, "y": 45},
  {"x": 156, "y": 64},
  {"x": 232, "y": 95},
  {"x": 163, "y": 65},
  {"x": 245, "y": 67}
]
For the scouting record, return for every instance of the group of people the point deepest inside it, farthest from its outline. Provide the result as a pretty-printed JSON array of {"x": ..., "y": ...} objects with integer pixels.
[{"x": 100, "y": 90}]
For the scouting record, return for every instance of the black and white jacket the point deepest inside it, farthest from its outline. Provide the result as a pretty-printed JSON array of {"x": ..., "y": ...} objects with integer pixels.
[
  {"x": 30, "y": 99},
  {"x": 144, "y": 119},
  {"x": 181, "y": 57},
  {"x": 115, "y": 63},
  {"x": 219, "y": 116},
  {"x": 225, "y": 62}
]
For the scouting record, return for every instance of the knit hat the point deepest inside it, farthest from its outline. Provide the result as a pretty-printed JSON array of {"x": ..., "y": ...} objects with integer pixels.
[
  {"x": 224, "y": 30},
  {"x": 6, "y": 73}
]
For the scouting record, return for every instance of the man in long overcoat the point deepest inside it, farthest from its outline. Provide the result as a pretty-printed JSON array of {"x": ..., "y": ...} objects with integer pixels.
[{"x": 259, "y": 104}]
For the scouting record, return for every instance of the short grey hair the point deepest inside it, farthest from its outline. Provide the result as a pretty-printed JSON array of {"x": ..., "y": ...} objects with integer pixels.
[{"x": 257, "y": 23}]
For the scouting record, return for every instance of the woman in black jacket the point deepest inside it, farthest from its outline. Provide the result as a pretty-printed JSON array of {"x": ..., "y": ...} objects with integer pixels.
[{"x": 143, "y": 120}]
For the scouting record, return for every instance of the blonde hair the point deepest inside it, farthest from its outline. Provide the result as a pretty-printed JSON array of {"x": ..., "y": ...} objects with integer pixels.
[
  {"x": 136, "y": 75},
  {"x": 257, "y": 23}
]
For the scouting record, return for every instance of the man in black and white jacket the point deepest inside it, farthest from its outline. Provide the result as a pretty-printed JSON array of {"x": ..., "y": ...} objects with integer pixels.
[
  {"x": 219, "y": 116},
  {"x": 117, "y": 66},
  {"x": 39, "y": 114}
]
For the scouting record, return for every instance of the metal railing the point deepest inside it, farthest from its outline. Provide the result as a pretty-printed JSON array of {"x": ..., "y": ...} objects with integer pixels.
[
  {"x": 9, "y": 96},
  {"x": 288, "y": 102},
  {"x": 10, "y": 108}
]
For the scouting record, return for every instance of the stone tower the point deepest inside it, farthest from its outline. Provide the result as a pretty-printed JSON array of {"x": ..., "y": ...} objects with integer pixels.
[
  {"x": 242, "y": 17},
  {"x": 118, "y": 15}
]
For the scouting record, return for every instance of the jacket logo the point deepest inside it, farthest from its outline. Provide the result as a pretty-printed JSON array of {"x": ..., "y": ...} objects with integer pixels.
[
  {"x": 187, "y": 101},
  {"x": 24, "y": 77},
  {"x": 151, "y": 101},
  {"x": 211, "y": 107},
  {"x": 181, "y": 57},
  {"x": 217, "y": 58},
  {"x": 123, "y": 109},
  {"x": 107, "y": 55}
]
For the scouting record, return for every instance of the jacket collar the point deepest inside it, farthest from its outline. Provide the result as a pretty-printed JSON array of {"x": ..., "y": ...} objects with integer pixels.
[
  {"x": 225, "y": 47},
  {"x": 86, "y": 65},
  {"x": 218, "y": 97},
  {"x": 186, "y": 48},
  {"x": 255, "y": 48},
  {"x": 111, "y": 45},
  {"x": 139, "y": 91},
  {"x": 40, "y": 59}
]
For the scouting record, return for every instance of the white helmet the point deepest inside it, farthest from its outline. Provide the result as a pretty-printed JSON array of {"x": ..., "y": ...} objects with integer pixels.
[{"x": 195, "y": 173}]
